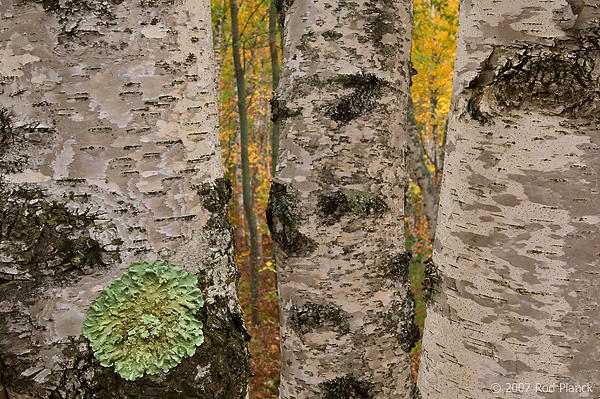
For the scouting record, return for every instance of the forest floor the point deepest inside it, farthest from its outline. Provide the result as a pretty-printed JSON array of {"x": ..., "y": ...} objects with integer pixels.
[{"x": 264, "y": 345}]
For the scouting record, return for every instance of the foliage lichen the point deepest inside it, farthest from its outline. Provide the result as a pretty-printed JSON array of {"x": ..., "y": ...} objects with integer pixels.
[{"x": 146, "y": 321}]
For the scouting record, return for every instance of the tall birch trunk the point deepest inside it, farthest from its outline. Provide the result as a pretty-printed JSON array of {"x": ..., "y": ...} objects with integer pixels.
[
  {"x": 513, "y": 285},
  {"x": 336, "y": 207},
  {"x": 110, "y": 155}
]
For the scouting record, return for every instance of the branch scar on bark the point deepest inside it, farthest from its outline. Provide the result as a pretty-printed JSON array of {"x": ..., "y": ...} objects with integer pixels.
[{"x": 554, "y": 81}]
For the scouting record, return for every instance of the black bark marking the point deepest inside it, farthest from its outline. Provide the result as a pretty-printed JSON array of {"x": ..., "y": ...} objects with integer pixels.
[
  {"x": 346, "y": 387},
  {"x": 399, "y": 321},
  {"x": 312, "y": 316},
  {"x": 214, "y": 196},
  {"x": 15, "y": 139},
  {"x": 331, "y": 35},
  {"x": 6, "y": 126},
  {"x": 282, "y": 6},
  {"x": 381, "y": 19},
  {"x": 552, "y": 81},
  {"x": 432, "y": 282},
  {"x": 415, "y": 393},
  {"x": 368, "y": 88},
  {"x": 280, "y": 112},
  {"x": 397, "y": 267},
  {"x": 48, "y": 238},
  {"x": 332, "y": 206},
  {"x": 283, "y": 220}
]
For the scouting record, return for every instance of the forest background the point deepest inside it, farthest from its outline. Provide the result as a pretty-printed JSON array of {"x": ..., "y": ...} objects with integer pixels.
[{"x": 433, "y": 48}]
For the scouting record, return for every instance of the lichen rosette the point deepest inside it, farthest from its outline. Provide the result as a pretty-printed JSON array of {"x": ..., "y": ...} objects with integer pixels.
[{"x": 146, "y": 321}]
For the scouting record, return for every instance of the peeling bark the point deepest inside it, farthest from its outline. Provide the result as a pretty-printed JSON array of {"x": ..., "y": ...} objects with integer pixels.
[
  {"x": 109, "y": 155},
  {"x": 518, "y": 234},
  {"x": 336, "y": 208}
]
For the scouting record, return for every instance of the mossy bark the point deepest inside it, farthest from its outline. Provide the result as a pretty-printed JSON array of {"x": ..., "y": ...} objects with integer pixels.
[
  {"x": 109, "y": 155},
  {"x": 513, "y": 297},
  {"x": 336, "y": 207}
]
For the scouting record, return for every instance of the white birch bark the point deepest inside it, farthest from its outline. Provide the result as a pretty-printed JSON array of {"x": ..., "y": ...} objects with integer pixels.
[
  {"x": 517, "y": 241},
  {"x": 110, "y": 108},
  {"x": 337, "y": 202}
]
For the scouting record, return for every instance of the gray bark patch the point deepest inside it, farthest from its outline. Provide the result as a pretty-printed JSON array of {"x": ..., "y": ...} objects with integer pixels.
[
  {"x": 312, "y": 316},
  {"x": 283, "y": 219},
  {"x": 345, "y": 388}
]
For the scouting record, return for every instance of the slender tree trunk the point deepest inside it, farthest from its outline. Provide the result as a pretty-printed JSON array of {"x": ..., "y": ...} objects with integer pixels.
[
  {"x": 109, "y": 155},
  {"x": 423, "y": 177},
  {"x": 247, "y": 191},
  {"x": 275, "y": 74},
  {"x": 513, "y": 294},
  {"x": 336, "y": 207}
]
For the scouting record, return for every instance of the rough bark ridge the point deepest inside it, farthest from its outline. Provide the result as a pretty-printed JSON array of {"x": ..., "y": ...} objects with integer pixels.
[
  {"x": 109, "y": 155},
  {"x": 517, "y": 244},
  {"x": 336, "y": 205}
]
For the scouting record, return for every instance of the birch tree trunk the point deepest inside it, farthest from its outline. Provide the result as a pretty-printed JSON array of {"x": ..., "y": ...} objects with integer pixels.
[
  {"x": 109, "y": 154},
  {"x": 337, "y": 201},
  {"x": 513, "y": 285}
]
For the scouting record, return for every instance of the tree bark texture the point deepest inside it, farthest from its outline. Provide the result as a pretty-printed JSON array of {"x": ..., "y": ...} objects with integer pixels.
[
  {"x": 513, "y": 286},
  {"x": 336, "y": 206},
  {"x": 109, "y": 154}
]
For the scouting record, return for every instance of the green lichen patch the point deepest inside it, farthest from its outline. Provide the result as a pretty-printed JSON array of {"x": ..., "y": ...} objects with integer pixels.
[
  {"x": 368, "y": 88},
  {"x": 146, "y": 321},
  {"x": 283, "y": 219},
  {"x": 47, "y": 238},
  {"x": 346, "y": 387},
  {"x": 332, "y": 206},
  {"x": 311, "y": 316}
]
